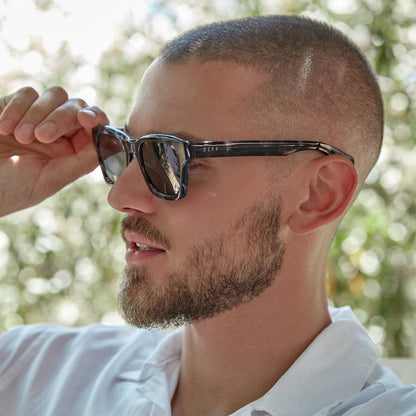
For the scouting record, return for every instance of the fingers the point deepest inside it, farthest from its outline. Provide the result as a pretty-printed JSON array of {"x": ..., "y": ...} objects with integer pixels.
[
  {"x": 25, "y": 110},
  {"x": 90, "y": 117},
  {"x": 13, "y": 108},
  {"x": 47, "y": 117},
  {"x": 61, "y": 121}
]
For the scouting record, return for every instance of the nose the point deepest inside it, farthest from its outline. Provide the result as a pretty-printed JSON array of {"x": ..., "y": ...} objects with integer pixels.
[{"x": 130, "y": 193}]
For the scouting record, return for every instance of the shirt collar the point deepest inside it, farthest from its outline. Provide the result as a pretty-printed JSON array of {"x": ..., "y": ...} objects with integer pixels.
[
  {"x": 336, "y": 365},
  {"x": 159, "y": 374}
]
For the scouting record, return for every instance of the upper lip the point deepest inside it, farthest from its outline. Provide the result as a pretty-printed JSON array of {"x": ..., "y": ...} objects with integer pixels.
[{"x": 131, "y": 238}]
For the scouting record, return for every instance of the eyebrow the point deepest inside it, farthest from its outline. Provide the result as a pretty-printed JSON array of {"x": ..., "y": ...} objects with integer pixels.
[{"x": 182, "y": 135}]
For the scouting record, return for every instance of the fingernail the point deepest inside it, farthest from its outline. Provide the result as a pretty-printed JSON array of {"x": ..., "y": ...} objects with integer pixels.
[
  {"x": 90, "y": 113},
  {"x": 47, "y": 129},
  {"x": 6, "y": 126},
  {"x": 25, "y": 132}
]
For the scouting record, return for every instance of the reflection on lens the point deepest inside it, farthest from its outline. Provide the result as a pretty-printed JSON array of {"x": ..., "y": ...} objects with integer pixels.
[
  {"x": 115, "y": 165},
  {"x": 162, "y": 166},
  {"x": 113, "y": 156}
]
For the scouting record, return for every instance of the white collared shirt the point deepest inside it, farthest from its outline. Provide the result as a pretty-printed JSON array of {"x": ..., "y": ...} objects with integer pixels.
[{"x": 100, "y": 371}]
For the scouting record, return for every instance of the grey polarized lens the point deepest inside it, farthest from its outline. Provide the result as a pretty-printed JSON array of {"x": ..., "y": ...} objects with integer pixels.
[
  {"x": 162, "y": 166},
  {"x": 113, "y": 156}
]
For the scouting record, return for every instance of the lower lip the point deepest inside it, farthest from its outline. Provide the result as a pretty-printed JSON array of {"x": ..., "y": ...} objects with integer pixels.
[{"x": 134, "y": 257}]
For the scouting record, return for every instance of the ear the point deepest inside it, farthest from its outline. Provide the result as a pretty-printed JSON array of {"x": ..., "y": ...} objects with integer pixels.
[{"x": 328, "y": 186}]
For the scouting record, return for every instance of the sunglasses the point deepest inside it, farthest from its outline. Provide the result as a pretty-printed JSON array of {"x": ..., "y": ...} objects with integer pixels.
[{"x": 165, "y": 160}]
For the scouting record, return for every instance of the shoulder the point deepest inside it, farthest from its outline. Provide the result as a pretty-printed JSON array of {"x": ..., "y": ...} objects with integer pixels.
[
  {"x": 68, "y": 370},
  {"x": 383, "y": 394},
  {"x": 22, "y": 344},
  {"x": 399, "y": 400},
  {"x": 396, "y": 398},
  {"x": 113, "y": 335}
]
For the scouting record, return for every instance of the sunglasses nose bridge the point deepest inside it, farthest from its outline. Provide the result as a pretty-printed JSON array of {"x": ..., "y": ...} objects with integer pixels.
[{"x": 131, "y": 150}]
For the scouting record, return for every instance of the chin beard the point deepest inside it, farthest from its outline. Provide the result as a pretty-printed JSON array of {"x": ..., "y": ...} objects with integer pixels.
[{"x": 217, "y": 275}]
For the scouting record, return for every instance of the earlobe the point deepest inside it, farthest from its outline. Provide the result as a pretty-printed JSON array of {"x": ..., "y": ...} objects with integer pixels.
[{"x": 327, "y": 192}]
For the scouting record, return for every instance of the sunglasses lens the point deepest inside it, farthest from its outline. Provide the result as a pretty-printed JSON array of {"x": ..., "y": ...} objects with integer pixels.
[
  {"x": 162, "y": 166},
  {"x": 113, "y": 155}
]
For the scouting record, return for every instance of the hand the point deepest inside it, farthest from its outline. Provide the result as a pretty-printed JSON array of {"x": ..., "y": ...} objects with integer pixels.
[{"x": 45, "y": 144}]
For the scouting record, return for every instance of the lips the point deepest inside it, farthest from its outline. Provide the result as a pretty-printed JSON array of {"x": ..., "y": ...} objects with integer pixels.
[
  {"x": 139, "y": 248},
  {"x": 136, "y": 241}
]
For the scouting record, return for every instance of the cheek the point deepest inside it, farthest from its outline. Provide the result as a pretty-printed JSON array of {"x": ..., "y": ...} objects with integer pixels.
[
  {"x": 213, "y": 209},
  {"x": 217, "y": 196},
  {"x": 232, "y": 181}
]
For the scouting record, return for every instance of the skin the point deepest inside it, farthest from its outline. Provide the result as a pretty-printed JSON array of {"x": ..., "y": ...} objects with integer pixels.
[
  {"x": 224, "y": 366},
  {"x": 47, "y": 161}
]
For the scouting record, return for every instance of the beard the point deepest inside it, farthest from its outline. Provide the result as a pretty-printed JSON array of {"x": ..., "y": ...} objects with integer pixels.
[{"x": 217, "y": 275}]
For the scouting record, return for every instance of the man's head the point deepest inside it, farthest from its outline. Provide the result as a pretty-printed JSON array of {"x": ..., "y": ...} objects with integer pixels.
[
  {"x": 238, "y": 228},
  {"x": 318, "y": 85}
]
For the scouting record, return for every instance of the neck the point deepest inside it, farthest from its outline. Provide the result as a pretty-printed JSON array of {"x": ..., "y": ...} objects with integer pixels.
[{"x": 235, "y": 358}]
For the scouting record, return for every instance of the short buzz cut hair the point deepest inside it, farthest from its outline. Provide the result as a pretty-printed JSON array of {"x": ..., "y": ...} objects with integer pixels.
[{"x": 319, "y": 81}]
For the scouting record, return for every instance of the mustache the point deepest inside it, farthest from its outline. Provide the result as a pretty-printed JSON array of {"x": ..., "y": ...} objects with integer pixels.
[{"x": 143, "y": 227}]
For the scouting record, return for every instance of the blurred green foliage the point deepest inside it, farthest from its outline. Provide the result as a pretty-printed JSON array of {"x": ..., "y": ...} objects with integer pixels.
[{"x": 60, "y": 261}]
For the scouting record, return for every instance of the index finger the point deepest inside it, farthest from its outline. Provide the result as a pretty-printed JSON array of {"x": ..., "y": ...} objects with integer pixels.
[
  {"x": 14, "y": 106},
  {"x": 67, "y": 119},
  {"x": 51, "y": 100}
]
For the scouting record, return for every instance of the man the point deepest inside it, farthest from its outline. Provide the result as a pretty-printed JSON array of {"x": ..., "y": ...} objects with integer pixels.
[{"x": 227, "y": 238}]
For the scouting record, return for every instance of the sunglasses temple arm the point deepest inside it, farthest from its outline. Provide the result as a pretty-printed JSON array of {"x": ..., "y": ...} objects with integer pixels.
[
  {"x": 330, "y": 150},
  {"x": 229, "y": 149}
]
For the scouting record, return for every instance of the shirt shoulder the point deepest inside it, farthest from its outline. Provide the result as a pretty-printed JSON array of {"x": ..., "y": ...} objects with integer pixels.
[
  {"x": 34, "y": 344},
  {"x": 383, "y": 394}
]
